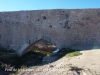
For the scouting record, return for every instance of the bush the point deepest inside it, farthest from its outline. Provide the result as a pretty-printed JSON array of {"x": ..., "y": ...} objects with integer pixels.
[{"x": 68, "y": 52}]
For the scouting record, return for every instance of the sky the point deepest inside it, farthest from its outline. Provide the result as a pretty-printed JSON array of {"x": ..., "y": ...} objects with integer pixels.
[{"x": 19, "y": 5}]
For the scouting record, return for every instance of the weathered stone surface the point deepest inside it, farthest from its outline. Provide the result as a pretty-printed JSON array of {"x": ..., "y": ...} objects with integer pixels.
[{"x": 61, "y": 27}]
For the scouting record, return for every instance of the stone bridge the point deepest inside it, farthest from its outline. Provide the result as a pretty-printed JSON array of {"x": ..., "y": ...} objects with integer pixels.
[{"x": 62, "y": 27}]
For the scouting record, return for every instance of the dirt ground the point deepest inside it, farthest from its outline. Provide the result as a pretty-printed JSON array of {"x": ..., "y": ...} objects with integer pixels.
[{"x": 89, "y": 60}]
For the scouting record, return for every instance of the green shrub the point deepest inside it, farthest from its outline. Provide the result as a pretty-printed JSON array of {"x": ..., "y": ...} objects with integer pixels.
[
  {"x": 71, "y": 54},
  {"x": 68, "y": 52},
  {"x": 37, "y": 51}
]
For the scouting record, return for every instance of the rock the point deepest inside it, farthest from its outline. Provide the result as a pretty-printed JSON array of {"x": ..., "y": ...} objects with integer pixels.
[
  {"x": 51, "y": 66},
  {"x": 86, "y": 72}
]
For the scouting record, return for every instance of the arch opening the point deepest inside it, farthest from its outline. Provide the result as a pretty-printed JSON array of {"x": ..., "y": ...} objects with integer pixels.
[{"x": 40, "y": 45}]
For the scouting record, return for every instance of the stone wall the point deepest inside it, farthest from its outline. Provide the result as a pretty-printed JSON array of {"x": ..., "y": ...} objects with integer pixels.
[{"x": 61, "y": 27}]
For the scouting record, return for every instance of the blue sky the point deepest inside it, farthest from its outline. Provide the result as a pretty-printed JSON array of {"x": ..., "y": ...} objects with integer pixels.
[{"x": 16, "y": 5}]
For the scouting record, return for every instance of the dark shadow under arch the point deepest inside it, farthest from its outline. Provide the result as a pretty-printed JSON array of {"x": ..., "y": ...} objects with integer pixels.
[{"x": 41, "y": 45}]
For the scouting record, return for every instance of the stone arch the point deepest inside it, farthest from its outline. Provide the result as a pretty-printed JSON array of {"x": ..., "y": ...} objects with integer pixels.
[{"x": 41, "y": 44}]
